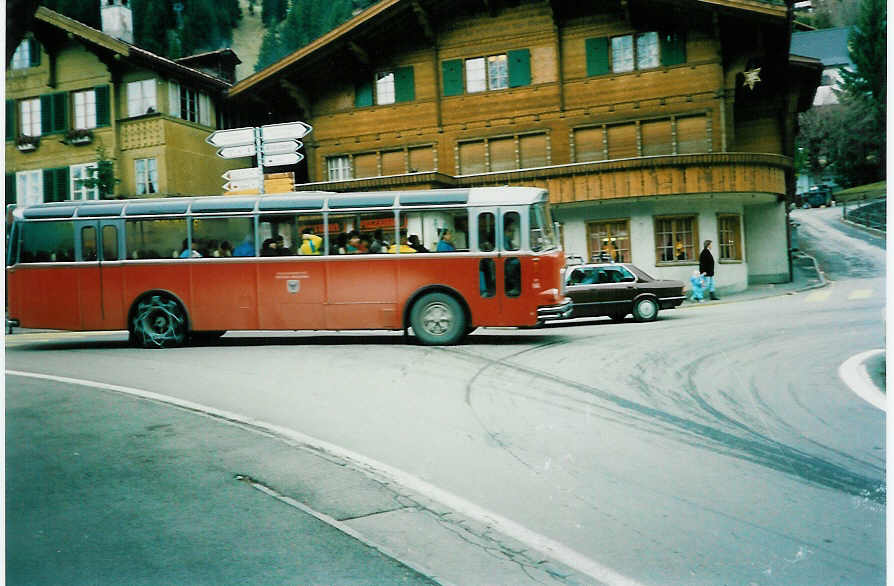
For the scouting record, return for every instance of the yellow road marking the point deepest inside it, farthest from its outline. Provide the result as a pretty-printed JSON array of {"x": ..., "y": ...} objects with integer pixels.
[
  {"x": 860, "y": 294},
  {"x": 818, "y": 296}
]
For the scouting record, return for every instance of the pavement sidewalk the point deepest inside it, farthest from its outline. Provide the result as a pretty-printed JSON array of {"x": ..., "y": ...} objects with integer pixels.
[{"x": 806, "y": 275}]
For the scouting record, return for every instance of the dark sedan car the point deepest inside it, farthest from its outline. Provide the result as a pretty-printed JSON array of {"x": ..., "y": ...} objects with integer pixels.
[{"x": 616, "y": 290}]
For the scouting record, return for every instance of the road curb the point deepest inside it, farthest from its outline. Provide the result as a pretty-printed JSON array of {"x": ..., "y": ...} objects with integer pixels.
[
  {"x": 867, "y": 229},
  {"x": 855, "y": 375},
  {"x": 819, "y": 273}
]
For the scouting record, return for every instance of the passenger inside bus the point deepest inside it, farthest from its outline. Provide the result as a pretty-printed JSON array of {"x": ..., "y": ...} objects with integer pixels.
[
  {"x": 310, "y": 242},
  {"x": 445, "y": 244},
  {"x": 413, "y": 242}
]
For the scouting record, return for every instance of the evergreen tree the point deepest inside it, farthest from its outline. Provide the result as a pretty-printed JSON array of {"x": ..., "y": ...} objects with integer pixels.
[{"x": 864, "y": 88}]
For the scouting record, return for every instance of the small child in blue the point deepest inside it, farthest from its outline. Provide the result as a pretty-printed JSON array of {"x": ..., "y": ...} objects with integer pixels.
[{"x": 698, "y": 286}]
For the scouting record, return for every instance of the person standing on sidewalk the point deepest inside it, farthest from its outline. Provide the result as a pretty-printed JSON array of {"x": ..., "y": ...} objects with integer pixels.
[{"x": 706, "y": 267}]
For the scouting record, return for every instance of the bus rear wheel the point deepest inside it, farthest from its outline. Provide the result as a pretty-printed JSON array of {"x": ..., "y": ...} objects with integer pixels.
[
  {"x": 438, "y": 319},
  {"x": 158, "y": 322}
]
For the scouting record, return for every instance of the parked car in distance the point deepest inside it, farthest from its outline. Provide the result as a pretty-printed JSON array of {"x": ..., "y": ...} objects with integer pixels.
[{"x": 617, "y": 290}]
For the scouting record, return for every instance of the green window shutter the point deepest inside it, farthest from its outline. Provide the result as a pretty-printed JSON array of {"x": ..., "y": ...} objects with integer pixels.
[
  {"x": 49, "y": 186},
  {"x": 404, "y": 85},
  {"x": 46, "y": 113},
  {"x": 103, "y": 109},
  {"x": 519, "y": 67},
  {"x": 673, "y": 48},
  {"x": 10, "y": 119},
  {"x": 63, "y": 184},
  {"x": 60, "y": 112},
  {"x": 56, "y": 184},
  {"x": 597, "y": 56},
  {"x": 453, "y": 77},
  {"x": 10, "y": 188},
  {"x": 363, "y": 94},
  {"x": 34, "y": 52}
]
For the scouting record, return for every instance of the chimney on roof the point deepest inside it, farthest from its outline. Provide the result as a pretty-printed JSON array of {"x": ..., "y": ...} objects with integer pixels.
[{"x": 117, "y": 19}]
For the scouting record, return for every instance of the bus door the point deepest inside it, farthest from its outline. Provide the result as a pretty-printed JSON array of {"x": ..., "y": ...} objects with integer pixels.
[
  {"x": 513, "y": 266},
  {"x": 100, "y": 281},
  {"x": 486, "y": 310}
]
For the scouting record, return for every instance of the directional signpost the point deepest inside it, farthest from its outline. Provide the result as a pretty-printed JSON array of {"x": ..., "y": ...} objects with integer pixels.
[{"x": 272, "y": 144}]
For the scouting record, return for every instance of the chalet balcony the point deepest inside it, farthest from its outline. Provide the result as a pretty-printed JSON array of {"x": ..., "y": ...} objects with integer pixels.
[{"x": 604, "y": 180}]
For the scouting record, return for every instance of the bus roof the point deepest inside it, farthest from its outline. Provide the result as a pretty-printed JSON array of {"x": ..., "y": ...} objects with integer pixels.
[{"x": 297, "y": 201}]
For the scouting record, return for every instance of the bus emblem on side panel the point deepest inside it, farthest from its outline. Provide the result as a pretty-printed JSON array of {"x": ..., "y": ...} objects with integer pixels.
[{"x": 293, "y": 285}]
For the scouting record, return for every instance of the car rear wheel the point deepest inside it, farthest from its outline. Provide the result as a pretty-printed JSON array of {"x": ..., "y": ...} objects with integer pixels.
[
  {"x": 646, "y": 309},
  {"x": 438, "y": 319}
]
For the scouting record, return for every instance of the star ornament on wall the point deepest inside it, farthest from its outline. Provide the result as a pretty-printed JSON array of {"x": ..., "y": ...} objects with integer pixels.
[{"x": 752, "y": 77}]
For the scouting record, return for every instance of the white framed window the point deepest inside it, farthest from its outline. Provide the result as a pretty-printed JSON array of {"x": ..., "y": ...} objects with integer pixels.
[
  {"x": 385, "y": 87},
  {"x": 647, "y": 50},
  {"x": 29, "y": 187},
  {"x": 189, "y": 104},
  {"x": 77, "y": 174},
  {"x": 339, "y": 168},
  {"x": 29, "y": 117},
  {"x": 476, "y": 78},
  {"x": 141, "y": 97},
  {"x": 84, "y": 109},
  {"x": 622, "y": 54},
  {"x": 146, "y": 171},
  {"x": 21, "y": 59},
  {"x": 497, "y": 72}
]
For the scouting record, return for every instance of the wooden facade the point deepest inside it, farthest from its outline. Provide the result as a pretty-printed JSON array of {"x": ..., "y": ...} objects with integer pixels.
[
  {"x": 629, "y": 112},
  {"x": 566, "y": 109},
  {"x": 72, "y": 90}
]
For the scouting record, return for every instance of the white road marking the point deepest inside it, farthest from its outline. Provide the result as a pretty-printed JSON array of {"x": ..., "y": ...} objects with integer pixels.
[
  {"x": 853, "y": 373},
  {"x": 532, "y": 539},
  {"x": 860, "y": 294},
  {"x": 818, "y": 296}
]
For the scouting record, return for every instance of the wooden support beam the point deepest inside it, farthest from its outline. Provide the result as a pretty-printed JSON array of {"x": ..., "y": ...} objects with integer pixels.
[
  {"x": 359, "y": 53},
  {"x": 424, "y": 21}
]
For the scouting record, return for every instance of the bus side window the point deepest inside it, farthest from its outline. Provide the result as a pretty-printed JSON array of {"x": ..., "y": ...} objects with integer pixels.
[
  {"x": 88, "y": 243},
  {"x": 487, "y": 277},
  {"x": 157, "y": 238},
  {"x": 48, "y": 242},
  {"x": 109, "y": 243},
  {"x": 486, "y": 232}
]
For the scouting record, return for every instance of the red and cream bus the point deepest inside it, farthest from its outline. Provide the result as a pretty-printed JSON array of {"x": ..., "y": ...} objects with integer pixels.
[{"x": 439, "y": 262}]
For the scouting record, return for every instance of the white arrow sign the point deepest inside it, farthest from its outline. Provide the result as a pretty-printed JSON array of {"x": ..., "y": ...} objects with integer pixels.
[
  {"x": 242, "y": 174},
  {"x": 236, "y": 152},
  {"x": 232, "y": 137},
  {"x": 284, "y": 159},
  {"x": 241, "y": 184},
  {"x": 285, "y": 131},
  {"x": 281, "y": 147}
]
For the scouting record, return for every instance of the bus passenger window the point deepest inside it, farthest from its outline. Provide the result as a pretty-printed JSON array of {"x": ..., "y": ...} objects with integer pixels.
[
  {"x": 48, "y": 242},
  {"x": 511, "y": 224},
  {"x": 88, "y": 243},
  {"x": 279, "y": 235},
  {"x": 157, "y": 238},
  {"x": 109, "y": 243},
  {"x": 487, "y": 277},
  {"x": 512, "y": 277},
  {"x": 487, "y": 232},
  {"x": 223, "y": 237}
]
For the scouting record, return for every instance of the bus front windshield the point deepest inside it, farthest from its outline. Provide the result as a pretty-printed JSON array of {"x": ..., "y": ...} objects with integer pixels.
[{"x": 542, "y": 235}]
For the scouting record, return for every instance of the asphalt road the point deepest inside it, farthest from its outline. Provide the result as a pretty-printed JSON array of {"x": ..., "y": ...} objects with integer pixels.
[{"x": 714, "y": 446}]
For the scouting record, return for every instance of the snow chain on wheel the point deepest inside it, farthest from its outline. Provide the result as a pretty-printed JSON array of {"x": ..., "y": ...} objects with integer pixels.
[{"x": 159, "y": 322}]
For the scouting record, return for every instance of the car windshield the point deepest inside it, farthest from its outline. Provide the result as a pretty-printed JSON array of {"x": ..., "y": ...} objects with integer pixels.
[{"x": 643, "y": 275}]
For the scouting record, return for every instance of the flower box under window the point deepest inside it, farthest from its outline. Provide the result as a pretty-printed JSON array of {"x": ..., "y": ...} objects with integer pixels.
[
  {"x": 79, "y": 136},
  {"x": 27, "y": 143}
]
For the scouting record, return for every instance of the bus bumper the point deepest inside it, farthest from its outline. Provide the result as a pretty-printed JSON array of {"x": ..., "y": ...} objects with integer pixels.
[{"x": 560, "y": 311}]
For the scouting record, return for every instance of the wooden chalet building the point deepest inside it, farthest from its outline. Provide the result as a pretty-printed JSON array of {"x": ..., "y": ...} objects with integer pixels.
[
  {"x": 73, "y": 91},
  {"x": 655, "y": 124}
]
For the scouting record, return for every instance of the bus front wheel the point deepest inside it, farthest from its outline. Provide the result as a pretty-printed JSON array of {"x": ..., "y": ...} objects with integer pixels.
[
  {"x": 158, "y": 322},
  {"x": 438, "y": 319}
]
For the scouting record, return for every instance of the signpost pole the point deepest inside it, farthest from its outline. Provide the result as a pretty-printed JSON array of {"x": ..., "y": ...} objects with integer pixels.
[{"x": 260, "y": 159}]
